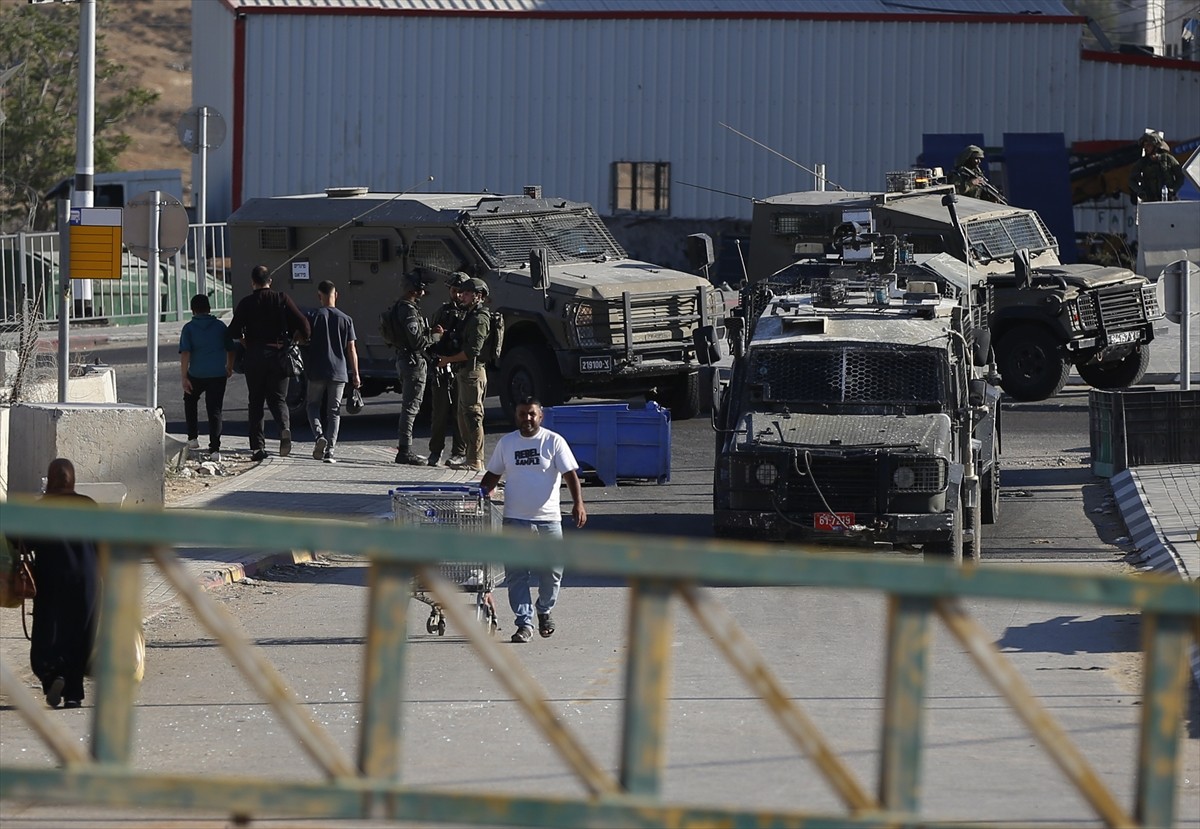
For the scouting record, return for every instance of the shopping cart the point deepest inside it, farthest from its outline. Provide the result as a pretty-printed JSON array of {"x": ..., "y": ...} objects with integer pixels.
[{"x": 462, "y": 508}]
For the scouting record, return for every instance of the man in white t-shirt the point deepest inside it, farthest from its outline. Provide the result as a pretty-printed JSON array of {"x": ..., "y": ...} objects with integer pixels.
[{"x": 536, "y": 461}]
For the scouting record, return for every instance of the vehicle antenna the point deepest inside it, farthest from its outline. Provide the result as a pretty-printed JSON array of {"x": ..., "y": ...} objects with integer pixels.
[
  {"x": 714, "y": 190},
  {"x": 776, "y": 152},
  {"x": 347, "y": 223}
]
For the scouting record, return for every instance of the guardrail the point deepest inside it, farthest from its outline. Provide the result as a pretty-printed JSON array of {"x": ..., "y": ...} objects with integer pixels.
[
  {"x": 29, "y": 269},
  {"x": 368, "y": 785}
]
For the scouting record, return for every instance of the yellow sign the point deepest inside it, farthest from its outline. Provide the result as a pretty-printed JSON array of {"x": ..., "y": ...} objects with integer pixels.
[
  {"x": 95, "y": 252},
  {"x": 95, "y": 234}
]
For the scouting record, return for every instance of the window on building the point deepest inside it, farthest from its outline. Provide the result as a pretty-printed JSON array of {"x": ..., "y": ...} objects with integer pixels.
[{"x": 642, "y": 186}]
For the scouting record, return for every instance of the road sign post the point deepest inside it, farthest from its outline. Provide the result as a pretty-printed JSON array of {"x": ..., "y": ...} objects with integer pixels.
[{"x": 202, "y": 129}]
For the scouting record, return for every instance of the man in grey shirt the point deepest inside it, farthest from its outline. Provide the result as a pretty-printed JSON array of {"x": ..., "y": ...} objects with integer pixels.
[{"x": 332, "y": 362}]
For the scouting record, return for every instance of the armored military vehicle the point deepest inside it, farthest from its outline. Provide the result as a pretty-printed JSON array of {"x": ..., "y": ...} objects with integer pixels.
[
  {"x": 859, "y": 409},
  {"x": 1047, "y": 317},
  {"x": 581, "y": 318}
]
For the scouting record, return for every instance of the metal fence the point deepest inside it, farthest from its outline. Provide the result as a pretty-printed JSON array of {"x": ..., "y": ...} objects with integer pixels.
[
  {"x": 29, "y": 269},
  {"x": 660, "y": 574}
]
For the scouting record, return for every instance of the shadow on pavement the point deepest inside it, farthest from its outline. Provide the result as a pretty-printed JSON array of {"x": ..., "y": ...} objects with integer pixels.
[{"x": 1068, "y": 635}]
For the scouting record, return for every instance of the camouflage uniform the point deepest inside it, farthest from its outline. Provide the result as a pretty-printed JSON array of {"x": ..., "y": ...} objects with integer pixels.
[
  {"x": 965, "y": 175},
  {"x": 470, "y": 377},
  {"x": 412, "y": 370},
  {"x": 1154, "y": 171}
]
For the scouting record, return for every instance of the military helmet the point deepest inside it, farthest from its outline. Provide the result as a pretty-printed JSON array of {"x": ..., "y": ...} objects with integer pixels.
[
  {"x": 458, "y": 279},
  {"x": 478, "y": 286},
  {"x": 973, "y": 151},
  {"x": 418, "y": 279}
]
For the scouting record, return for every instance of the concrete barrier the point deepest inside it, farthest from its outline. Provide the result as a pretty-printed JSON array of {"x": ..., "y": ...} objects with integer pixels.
[{"x": 106, "y": 441}]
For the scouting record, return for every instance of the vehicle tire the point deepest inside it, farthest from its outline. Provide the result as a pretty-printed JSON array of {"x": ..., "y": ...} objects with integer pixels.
[
  {"x": 1031, "y": 364},
  {"x": 683, "y": 396},
  {"x": 951, "y": 550},
  {"x": 989, "y": 494},
  {"x": 529, "y": 371},
  {"x": 1117, "y": 374},
  {"x": 973, "y": 549}
]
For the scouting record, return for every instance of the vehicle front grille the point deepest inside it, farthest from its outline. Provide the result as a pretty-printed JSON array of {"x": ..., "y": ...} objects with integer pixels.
[
  {"x": 1087, "y": 312},
  {"x": 653, "y": 319},
  {"x": 1120, "y": 307},
  {"x": 930, "y": 474},
  {"x": 851, "y": 375},
  {"x": 1003, "y": 236},
  {"x": 847, "y": 484}
]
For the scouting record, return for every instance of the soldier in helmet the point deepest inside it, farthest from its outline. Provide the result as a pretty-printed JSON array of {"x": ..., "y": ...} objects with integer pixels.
[
  {"x": 968, "y": 177},
  {"x": 442, "y": 395},
  {"x": 470, "y": 372},
  {"x": 411, "y": 366},
  {"x": 1156, "y": 176}
]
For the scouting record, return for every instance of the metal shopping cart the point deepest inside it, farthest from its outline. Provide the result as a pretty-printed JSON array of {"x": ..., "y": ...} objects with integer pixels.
[{"x": 462, "y": 508}]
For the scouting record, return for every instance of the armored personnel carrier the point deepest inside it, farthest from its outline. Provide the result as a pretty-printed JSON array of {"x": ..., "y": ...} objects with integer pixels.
[
  {"x": 859, "y": 410},
  {"x": 581, "y": 318},
  {"x": 1047, "y": 316}
]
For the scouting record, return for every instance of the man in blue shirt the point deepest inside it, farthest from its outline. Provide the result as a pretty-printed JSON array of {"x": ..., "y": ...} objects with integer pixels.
[
  {"x": 205, "y": 364},
  {"x": 332, "y": 363}
]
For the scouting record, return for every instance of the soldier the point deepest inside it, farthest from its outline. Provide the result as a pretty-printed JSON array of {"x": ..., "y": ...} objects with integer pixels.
[
  {"x": 442, "y": 396},
  {"x": 968, "y": 177},
  {"x": 414, "y": 339},
  {"x": 470, "y": 373},
  {"x": 1156, "y": 176}
]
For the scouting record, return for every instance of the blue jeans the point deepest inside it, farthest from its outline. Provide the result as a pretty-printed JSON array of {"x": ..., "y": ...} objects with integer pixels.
[{"x": 519, "y": 581}]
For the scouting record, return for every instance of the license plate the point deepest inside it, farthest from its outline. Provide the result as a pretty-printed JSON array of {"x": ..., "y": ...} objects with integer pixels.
[
  {"x": 833, "y": 522},
  {"x": 595, "y": 364},
  {"x": 1122, "y": 337}
]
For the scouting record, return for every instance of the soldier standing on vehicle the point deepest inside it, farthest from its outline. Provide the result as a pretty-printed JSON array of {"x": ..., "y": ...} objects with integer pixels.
[
  {"x": 442, "y": 396},
  {"x": 968, "y": 177},
  {"x": 1156, "y": 176},
  {"x": 411, "y": 338},
  {"x": 470, "y": 372}
]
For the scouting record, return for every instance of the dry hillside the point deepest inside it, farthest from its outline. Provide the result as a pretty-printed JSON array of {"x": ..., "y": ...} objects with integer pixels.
[{"x": 153, "y": 40}]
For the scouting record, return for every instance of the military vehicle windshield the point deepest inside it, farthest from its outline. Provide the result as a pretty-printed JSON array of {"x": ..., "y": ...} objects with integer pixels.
[
  {"x": 1001, "y": 237},
  {"x": 850, "y": 375},
  {"x": 568, "y": 236}
]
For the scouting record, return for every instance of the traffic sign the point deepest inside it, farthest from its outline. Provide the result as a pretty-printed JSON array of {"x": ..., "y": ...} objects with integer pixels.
[
  {"x": 172, "y": 224},
  {"x": 95, "y": 242},
  {"x": 189, "y": 129}
]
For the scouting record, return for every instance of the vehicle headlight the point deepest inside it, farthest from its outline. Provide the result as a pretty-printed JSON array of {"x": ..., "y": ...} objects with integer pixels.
[
  {"x": 904, "y": 477},
  {"x": 766, "y": 474},
  {"x": 1072, "y": 311},
  {"x": 588, "y": 323}
]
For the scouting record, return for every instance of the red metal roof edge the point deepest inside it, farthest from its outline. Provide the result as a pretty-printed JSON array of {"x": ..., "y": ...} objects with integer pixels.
[
  {"x": 235, "y": 7},
  {"x": 1158, "y": 61}
]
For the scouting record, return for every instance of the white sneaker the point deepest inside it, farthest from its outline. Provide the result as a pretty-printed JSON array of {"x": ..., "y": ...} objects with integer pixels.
[
  {"x": 193, "y": 445},
  {"x": 215, "y": 457}
]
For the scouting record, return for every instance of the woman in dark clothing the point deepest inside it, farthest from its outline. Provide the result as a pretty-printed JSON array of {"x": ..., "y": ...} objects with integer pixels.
[{"x": 66, "y": 605}]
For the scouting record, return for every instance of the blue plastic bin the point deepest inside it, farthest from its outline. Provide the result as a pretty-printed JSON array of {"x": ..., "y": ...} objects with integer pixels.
[{"x": 616, "y": 440}]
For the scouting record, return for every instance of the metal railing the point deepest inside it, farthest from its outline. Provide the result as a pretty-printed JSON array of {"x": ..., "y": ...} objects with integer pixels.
[
  {"x": 368, "y": 785},
  {"x": 29, "y": 269}
]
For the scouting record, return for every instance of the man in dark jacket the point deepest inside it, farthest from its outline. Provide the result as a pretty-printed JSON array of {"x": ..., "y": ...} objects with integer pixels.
[{"x": 266, "y": 322}]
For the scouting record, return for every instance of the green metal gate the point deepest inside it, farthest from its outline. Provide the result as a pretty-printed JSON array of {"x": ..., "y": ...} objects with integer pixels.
[{"x": 659, "y": 571}]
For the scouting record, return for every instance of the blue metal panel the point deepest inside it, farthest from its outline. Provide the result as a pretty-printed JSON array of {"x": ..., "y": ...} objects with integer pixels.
[{"x": 1038, "y": 178}]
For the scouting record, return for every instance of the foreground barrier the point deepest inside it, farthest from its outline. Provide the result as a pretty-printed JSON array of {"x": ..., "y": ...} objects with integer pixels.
[{"x": 368, "y": 786}]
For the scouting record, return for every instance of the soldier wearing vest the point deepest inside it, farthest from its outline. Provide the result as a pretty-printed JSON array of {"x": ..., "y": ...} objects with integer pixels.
[
  {"x": 470, "y": 372},
  {"x": 1156, "y": 176},
  {"x": 443, "y": 412},
  {"x": 411, "y": 365}
]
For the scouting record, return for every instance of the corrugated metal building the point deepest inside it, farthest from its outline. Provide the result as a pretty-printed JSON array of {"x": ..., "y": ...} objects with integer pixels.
[{"x": 621, "y": 102}]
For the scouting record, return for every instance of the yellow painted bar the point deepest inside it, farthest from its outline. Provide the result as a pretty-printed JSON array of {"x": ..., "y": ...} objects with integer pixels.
[
  {"x": 380, "y": 753},
  {"x": 95, "y": 252},
  {"x": 120, "y": 619}
]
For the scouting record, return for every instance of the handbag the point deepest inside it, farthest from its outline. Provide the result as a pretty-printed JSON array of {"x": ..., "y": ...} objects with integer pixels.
[
  {"x": 292, "y": 360},
  {"x": 16, "y": 580}
]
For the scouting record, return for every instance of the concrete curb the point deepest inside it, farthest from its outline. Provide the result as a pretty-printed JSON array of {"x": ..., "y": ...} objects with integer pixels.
[
  {"x": 240, "y": 570},
  {"x": 1154, "y": 552}
]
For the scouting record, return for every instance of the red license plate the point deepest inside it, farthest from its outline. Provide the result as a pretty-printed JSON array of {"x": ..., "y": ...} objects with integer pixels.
[{"x": 833, "y": 522}]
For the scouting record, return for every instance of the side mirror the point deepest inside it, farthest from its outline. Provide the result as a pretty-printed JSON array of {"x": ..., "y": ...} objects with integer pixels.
[
  {"x": 981, "y": 346},
  {"x": 736, "y": 328},
  {"x": 977, "y": 391},
  {"x": 704, "y": 339},
  {"x": 700, "y": 251},
  {"x": 537, "y": 269}
]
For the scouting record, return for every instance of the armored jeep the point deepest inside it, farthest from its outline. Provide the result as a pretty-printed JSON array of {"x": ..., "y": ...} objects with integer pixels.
[
  {"x": 1047, "y": 316},
  {"x": 858, "y": 410},
  {"x": 581, "y": 318}
]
